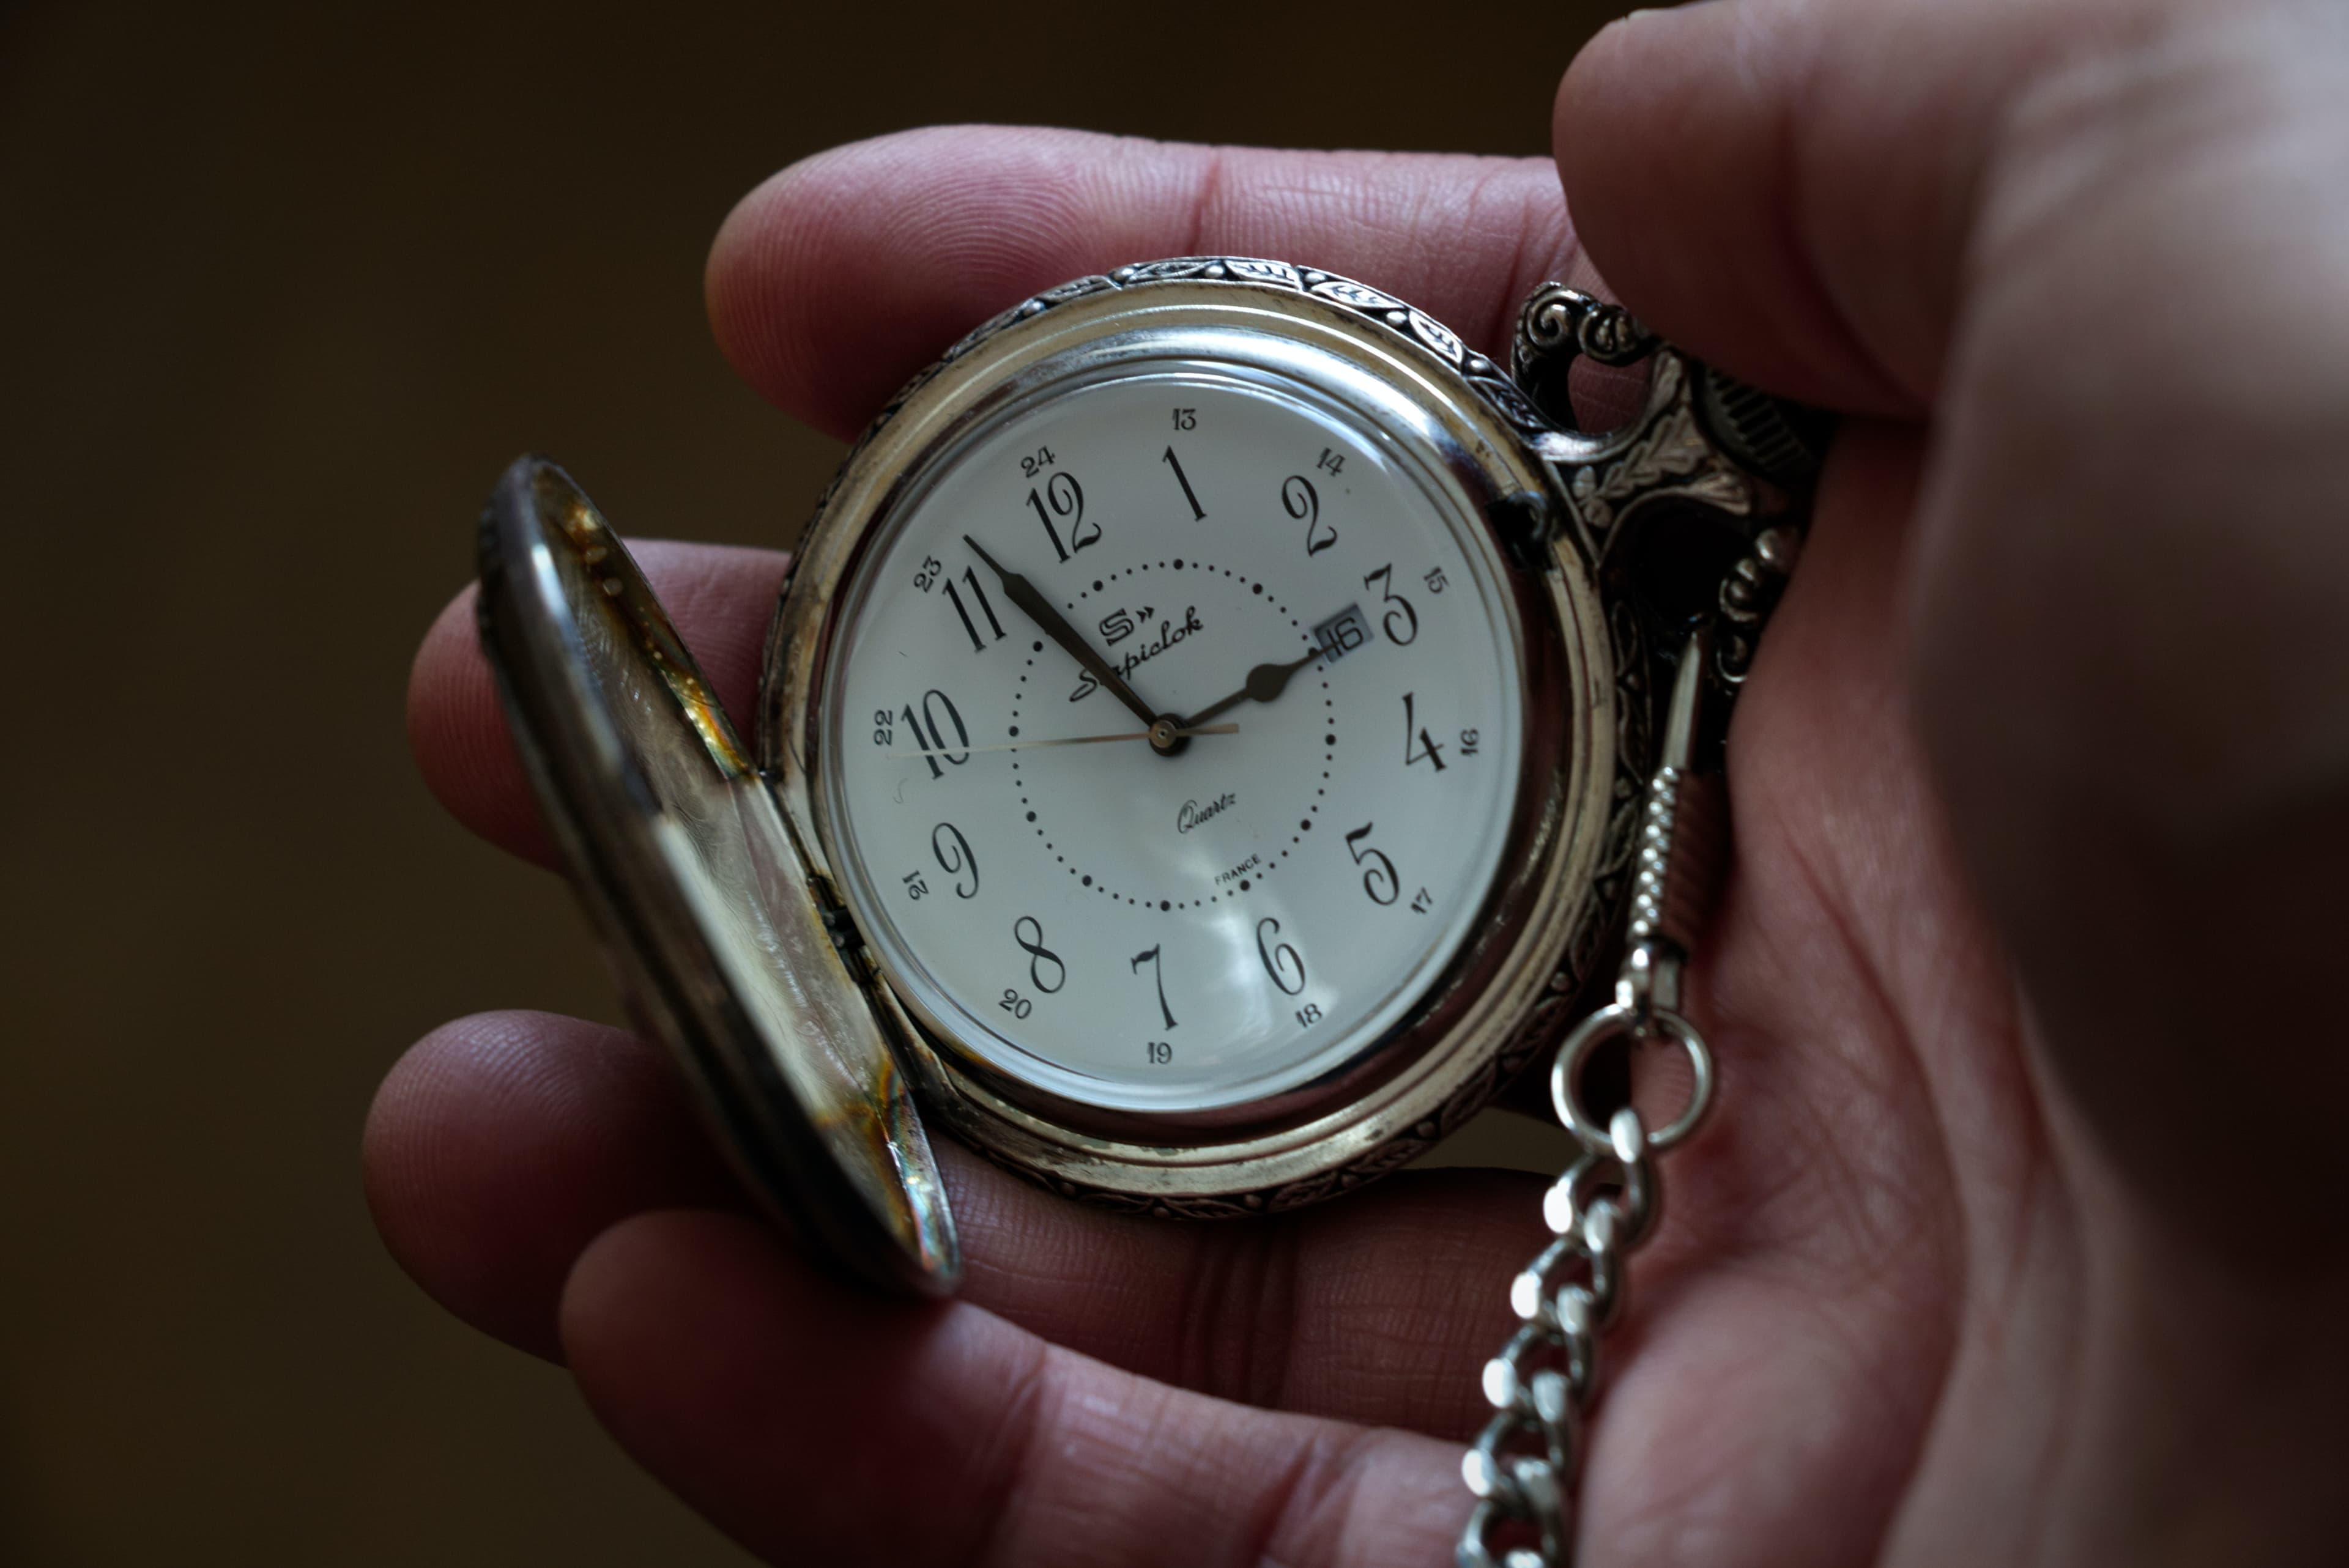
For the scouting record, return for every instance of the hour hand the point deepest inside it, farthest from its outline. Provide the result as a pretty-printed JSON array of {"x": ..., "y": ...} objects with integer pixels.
[
  {"x": 1265, "y": 683},
  {"x": 1039, "y": 609}
]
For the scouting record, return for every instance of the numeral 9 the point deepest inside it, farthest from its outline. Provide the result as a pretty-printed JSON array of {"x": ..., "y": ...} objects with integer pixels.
[{"x": 956, "y": 857}]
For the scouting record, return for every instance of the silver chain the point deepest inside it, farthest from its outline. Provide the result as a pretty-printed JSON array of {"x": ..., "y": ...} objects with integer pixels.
[{"x": 1523, "y": 1465}]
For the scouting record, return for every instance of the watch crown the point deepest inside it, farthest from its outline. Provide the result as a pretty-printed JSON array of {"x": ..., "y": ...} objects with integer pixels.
[{"x": 1782, "y": 440}]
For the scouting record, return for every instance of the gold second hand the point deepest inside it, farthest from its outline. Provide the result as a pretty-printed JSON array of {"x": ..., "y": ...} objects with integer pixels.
[{"x": 1069, "y": 740}]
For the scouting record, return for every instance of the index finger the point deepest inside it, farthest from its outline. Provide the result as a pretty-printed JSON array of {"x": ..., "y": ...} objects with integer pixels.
[
  {"x": 843, "y": 275},
  {"x": 835, "y": 280}
]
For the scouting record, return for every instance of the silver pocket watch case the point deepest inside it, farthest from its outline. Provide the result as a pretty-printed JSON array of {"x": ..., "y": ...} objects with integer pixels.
[{"x": 708, "y": 867}]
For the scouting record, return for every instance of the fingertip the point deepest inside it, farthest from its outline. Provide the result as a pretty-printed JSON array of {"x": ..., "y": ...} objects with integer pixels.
[
  {"x": 1693, "y": 143},
  {"x": 786, "y": 1405},
  {"x": 778, "y": 230},
  {"x": 501, "y": 1144},
  {"x": 457, "y": 733},
  {"x": 710, "y": 1264},
  {"x": 840, "y": 276},
  {"x": 721, "y": 599}
]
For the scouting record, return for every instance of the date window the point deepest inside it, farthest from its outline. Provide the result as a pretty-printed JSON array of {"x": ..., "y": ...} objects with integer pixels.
[{"x": 1341, "y": 633}]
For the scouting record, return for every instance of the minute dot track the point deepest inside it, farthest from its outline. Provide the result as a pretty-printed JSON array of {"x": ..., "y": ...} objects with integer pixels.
[{"x": 1102, "y": 585}]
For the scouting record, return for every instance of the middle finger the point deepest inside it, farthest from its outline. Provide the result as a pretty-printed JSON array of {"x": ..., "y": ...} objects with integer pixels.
[{"x": 503, "y": 1144}]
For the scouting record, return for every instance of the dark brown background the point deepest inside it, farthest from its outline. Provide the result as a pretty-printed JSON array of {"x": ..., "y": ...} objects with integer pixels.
[{"x": 282, "y": 287}]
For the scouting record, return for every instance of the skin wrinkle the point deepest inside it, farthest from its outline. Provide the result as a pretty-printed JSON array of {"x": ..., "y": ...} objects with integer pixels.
[
  {"x": 1945, "y": 1356},
  {"x": 2036, "y": 1195},
  {"x": 1889, "y": 1021},
  {"x": 1696, "y": 1502},
  {"x": 1289, "y": 1507},
  {"x": 1210, "y": 1286},
  {"x": 1114, "y": 1254},
  {"x": 1270, "y": 1346},
  {"x": 1208, "y": 192},
  {"x": 1534, "y": 243},
  {"x": 2047, "y": 1197},
  {"x": 1345, "y": 1350},
  {"x": 1770, "y": 1188},
  {"x": 1764, "y": 1188},
  {"x": 2012, "y": 1101},
  {"x": 1011, "y": 1447},
  {"x": 1095, "y": 1249},
  {"x": 1355, "y": 1292},
  {"x": 1784, "y": 838}
]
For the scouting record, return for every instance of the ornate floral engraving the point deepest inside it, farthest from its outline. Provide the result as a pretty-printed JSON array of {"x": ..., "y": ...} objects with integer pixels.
[
  {"x": 1485, "y": 379},
  {"x": 1512, "y": 405},
  {"x": 1345, "y": 291},
  {"x": 1437, "y": 337},
  {"x": 1673, "y": 457},
  {"x": 1247, "y": 270}
]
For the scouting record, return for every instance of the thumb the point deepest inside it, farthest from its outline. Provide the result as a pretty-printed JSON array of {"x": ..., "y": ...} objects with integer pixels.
[
  {"x": 1786, "y": 187},
  {"x": 2102, "y": 243}
]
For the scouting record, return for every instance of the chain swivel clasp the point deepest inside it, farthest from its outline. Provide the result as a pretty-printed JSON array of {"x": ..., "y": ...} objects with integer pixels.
[{"x": 1677, "y": 865}]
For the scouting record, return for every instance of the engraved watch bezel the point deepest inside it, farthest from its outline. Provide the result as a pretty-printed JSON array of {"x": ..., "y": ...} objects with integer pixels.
[{"x": 1501, "y": 997}]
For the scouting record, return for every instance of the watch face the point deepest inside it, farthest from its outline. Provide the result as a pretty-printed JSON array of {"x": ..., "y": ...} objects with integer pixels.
[{"x": 1194, "y": 925}]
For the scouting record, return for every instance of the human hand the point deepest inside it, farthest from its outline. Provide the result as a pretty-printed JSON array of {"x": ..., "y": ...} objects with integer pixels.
[{"x": 1953, "y": 1276}]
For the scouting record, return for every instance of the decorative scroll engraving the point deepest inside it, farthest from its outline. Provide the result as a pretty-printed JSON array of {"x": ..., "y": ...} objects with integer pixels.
[
  {"x": 1559, "y": 320},
  {"x": 1748, "y": 594}
]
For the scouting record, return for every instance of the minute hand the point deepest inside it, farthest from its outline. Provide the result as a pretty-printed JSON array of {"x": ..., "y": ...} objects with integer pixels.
[
  {"x": 1265, "y": 683},
  {"x": 1039, "y": 609}
]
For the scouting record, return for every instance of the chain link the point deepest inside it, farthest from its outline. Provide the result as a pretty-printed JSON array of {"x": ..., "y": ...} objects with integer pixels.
[
  {"x": 1522, "y": 1464},
  {"x": 1750, "y": 455}
]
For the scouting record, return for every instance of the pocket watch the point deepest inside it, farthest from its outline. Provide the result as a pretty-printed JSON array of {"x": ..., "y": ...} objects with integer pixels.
[{"x": 1202, "y": 752}]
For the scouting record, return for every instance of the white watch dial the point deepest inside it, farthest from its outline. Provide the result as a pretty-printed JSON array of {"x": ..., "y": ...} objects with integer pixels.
[{"x": 1166, "y": 932}]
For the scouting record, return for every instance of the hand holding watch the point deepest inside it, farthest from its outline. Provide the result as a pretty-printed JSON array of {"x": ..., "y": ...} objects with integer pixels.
[
  {"x": 1293, "y": 961},
  {"x": 1871, "y": 1339}
]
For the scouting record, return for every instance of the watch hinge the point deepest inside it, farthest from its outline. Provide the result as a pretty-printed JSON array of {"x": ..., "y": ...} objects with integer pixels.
[
  {"x": 841, "y": 926},
  {"x": 1526, "y": 528}
]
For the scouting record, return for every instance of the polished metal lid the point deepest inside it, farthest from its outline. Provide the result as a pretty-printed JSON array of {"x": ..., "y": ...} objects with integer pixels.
[{"x": 703, "y": 900}]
